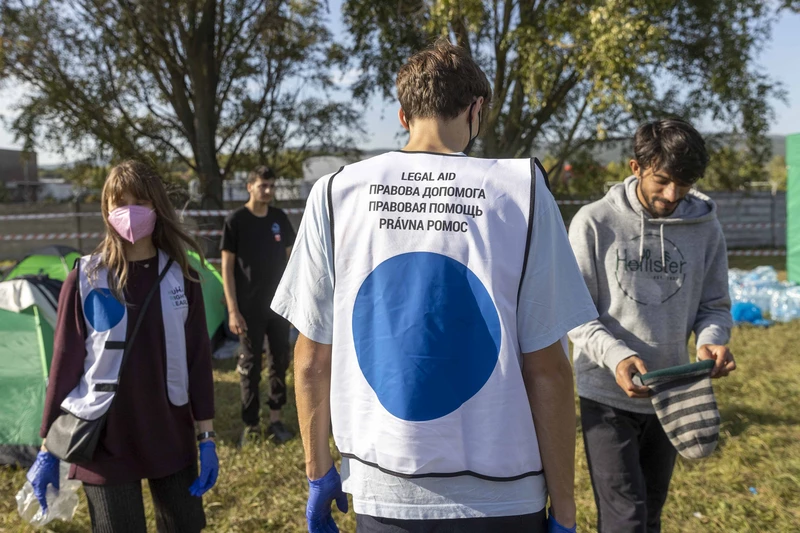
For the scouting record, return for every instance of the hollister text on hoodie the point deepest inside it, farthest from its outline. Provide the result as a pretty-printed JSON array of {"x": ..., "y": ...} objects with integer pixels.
[{"x": 654, "y": 282}]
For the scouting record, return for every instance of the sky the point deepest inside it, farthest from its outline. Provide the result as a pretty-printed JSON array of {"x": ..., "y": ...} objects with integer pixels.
[{"x": 380, "y": 117}]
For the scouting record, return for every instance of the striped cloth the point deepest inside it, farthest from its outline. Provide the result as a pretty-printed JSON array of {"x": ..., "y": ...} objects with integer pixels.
[{"x": 684, "y": 402}]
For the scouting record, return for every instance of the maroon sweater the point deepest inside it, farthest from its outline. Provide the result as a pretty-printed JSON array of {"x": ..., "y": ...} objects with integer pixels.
[{"x": 146, "y": 436}]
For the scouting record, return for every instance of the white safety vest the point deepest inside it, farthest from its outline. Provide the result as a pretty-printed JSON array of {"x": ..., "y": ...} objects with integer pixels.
[
  {"x": 429, "y": 252},
  {"x": 106, "y": 322}
]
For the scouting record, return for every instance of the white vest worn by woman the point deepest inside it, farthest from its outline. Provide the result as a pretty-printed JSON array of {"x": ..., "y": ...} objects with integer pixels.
[
  {"x": 429, "y": 253},
  {"x": 106, "y": 322}
]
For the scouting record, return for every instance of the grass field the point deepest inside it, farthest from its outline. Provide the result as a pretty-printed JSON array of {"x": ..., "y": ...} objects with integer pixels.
[{"x": 262, "y": 487}]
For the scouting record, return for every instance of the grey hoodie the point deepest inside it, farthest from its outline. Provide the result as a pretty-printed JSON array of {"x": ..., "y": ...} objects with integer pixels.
[{"x": 654, "y": 281}]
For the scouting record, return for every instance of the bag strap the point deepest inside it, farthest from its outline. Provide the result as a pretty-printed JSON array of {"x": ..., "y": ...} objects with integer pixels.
[{"x": 129, "y": 343}]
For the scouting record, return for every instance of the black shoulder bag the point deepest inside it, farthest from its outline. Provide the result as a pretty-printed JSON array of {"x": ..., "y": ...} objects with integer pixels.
[{"x": 73, "y": 439}]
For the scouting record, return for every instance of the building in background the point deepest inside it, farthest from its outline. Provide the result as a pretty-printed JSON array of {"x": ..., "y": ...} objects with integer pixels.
[
  {"x": 19, "y": 174},
  {"x": 16, "y": 166}
]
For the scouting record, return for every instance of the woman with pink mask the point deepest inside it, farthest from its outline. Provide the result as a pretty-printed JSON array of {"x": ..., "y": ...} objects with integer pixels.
[{"x": 131, "y": 346}]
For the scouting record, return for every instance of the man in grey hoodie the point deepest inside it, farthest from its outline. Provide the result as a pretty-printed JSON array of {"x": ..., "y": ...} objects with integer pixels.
[{"x": 654, "y": 259}]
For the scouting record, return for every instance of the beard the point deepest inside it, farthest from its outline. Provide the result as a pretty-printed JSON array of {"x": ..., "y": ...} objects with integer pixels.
[
  {"x": 661, "y": 207},
  {"x": 657, "y": 207}
]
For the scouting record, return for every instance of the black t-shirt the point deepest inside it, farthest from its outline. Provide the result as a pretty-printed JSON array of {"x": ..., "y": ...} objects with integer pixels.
[{"x": 259, "y": 244}]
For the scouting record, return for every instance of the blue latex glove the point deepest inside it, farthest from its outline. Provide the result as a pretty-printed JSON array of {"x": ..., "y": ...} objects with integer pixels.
[
  {"x": 321, "y": 494},
  {"x": 209, "y": 469},
  {"x": 44, "y": 472},
  {"x": 554, "y": 527}
]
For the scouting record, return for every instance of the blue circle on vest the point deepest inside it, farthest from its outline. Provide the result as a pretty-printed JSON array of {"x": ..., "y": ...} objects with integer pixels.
[
  {"x": 427, "y": 335},
  {"x": 102, "y": 310}
]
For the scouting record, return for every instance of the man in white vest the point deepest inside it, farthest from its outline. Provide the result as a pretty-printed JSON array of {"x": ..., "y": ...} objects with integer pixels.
[{"x": 431, "y": 291}]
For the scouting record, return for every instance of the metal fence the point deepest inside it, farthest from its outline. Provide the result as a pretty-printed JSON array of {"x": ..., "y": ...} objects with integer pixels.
[{"x": 754, "y": 223}]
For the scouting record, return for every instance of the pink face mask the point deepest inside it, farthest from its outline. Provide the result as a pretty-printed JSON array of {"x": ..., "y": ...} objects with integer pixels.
[{"x": 133, "y": 222}]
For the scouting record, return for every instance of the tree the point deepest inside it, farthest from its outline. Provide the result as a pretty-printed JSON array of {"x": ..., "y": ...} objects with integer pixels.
[
  {"x": 582, "y": 176},
  {"x": 186, "y": 80},
  {"x": 288, "y": 163},
  {"x": 778, "y": 172},
  {"x": 5, "y": 195},
  {"x": 729, "y": 169},
  {"x": 567, "y": 75},
  {"x": 732, "y": 167},
  {"x": 619, "y": 170}
]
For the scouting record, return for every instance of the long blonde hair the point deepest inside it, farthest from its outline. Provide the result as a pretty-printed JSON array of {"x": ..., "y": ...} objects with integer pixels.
[{"x": 143, "y": 183}]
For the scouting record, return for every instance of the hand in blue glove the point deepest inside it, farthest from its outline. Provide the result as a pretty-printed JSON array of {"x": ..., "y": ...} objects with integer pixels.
[
  {"x": 209, "y": 469},
  {"x": 45, "y": 471},
  {"x": 321, "y": 494},
  {"x": 554, "y": 527}
]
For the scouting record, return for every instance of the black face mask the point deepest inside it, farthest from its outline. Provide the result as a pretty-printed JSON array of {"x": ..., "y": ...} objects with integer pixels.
[{"x": 472, "y": 139}]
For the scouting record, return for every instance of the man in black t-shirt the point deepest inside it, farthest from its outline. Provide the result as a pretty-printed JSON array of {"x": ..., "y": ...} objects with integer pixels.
[{"x": 256, "y": 242}]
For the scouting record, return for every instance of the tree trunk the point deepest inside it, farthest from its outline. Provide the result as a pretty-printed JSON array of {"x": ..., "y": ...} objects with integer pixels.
[
  {"x": 210, "y": 181},
  {"x": 203, "y": 71}
]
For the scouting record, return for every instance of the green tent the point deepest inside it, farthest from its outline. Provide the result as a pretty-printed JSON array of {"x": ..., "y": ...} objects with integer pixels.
[
  {"x": 52, "y": 261},
  {"x": 57, "y": 261},
  {"x": 27, "y": 319},
  {"x": 28, "y": 308},
  {"x": 213, "y": 296}
]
